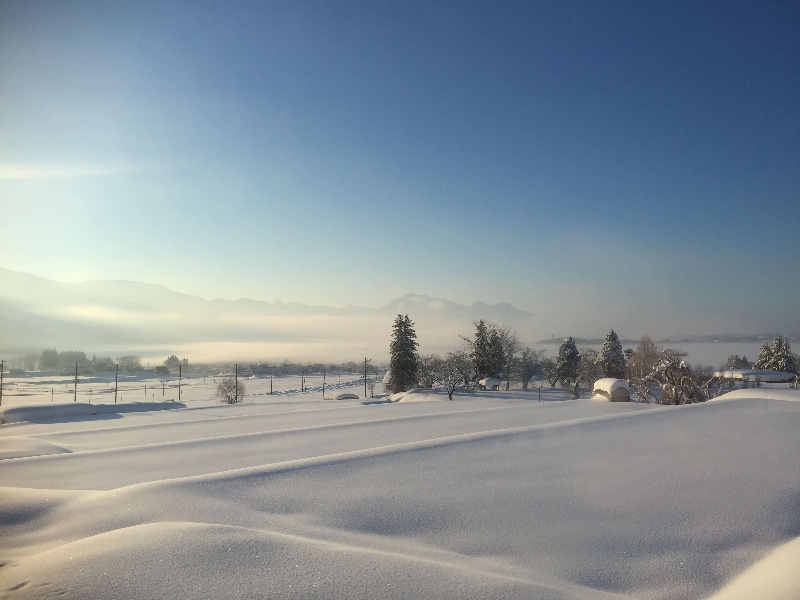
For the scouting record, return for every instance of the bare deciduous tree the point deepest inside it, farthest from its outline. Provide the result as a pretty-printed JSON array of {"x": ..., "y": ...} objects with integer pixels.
[
  {"x": 129, "y": 362},
  {"x": 429, "y": 370},
  {"x": 455, "y": 373},
  {"x": 679, "y": 383},
  {"x": 644, "y": 359},
  {"x": 461, "y": 363},
  {"x": 230, "y": 390},
  {"x": 590, "y": 368},
  {"x": 529, "y": 365},
  {"x": 510, "y": 346}
]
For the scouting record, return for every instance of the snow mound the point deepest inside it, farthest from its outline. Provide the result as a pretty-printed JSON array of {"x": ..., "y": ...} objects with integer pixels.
[
  {"x": 755, "y": 394},
  {"x": 195, "y": 560},
  {"x": 479, "y": 499},
  {"x": 18, "y": 447},
  {"x": 43, "y": 412},
  {"x": 419, "y": 395},
  {"x": 774, "y": 577}
]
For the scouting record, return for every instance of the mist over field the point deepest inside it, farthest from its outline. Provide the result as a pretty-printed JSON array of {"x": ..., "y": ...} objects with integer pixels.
[{"x": 124, "y": 317}]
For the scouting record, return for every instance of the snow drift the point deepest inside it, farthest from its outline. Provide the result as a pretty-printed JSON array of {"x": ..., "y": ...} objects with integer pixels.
[{"x": 483, "y": 497}]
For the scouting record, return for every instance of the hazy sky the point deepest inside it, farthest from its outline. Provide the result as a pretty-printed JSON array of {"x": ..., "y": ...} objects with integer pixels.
[{"x": 609, "y": 163}]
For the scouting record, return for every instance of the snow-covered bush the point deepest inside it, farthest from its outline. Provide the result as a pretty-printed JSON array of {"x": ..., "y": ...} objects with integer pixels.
[{"x": 230, "y": 390}]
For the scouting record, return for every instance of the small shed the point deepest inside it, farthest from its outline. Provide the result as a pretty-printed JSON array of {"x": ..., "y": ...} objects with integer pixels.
[
  {"x": 490, "y": 383},
  {"x": 388, "y": 388},
  {"x": 616, "y": 390}
]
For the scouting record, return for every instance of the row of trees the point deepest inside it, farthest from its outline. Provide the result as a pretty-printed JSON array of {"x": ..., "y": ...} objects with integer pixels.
[
  {"x": 772, "y": 356},
  {"x": 51, "y": 359},
  {"x": 494, "y": 351}
]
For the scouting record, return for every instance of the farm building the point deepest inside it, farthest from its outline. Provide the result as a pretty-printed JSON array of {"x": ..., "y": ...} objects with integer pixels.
[{"x": 490, "y": 383}]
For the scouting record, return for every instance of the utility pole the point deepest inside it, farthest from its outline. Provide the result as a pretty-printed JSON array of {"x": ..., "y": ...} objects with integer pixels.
[
  {"x": 116, "y": 383},
  {"x": 2, "y": 369},
  {"x": 323, "y": 384},
  {"x": 76, "y": 383},
  {"x": 366, "y": 360},
  {"x": 180, "y": 376},
  {"x": 236, "y": 383}
]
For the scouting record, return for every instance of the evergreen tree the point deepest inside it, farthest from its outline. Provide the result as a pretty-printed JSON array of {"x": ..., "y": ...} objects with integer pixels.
[
  {"x": 403, "y": 355},
  {"x": 497, "y": 354},
  {"x": 776, "y": 356},
  {"x": 492, "y": 351},
  {"x": 764, "y": 356},
  {"x": 482, "y": 351},
  {"x": 49, "y": 359},
  {"x": 612, "y": 357},
  {"x": 782, "y": 352},
  {"x": 734, "y": 362},
  {"x": 568, "y": 363}
]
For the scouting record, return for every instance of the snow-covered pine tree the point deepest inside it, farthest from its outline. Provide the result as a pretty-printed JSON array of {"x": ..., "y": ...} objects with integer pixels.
[
  {"x": 481, "y": 350},
  {"x": 492, "y": 350},
  {"x": 764, "y": 357},
  {"x": 734, "y": 362},
  {"x": 612, "y": 356},
  {"x": 403, "y": 355},
  {"x": 776, "y": 356},
  {"x": 568, "y": 362},
  {"x": 497, "y": 360},
  {"x": 784, "y": 359}
]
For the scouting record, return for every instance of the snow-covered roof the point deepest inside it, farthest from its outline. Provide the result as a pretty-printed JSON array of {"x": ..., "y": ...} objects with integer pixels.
[
  {"x": 765, "y": 376},
  {"x": 610, "y": 384},
  {"x": 490, "y": 381}
]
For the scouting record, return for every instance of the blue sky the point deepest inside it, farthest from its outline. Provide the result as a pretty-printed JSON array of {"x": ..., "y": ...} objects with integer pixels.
[{"x": 601, "y": 164}]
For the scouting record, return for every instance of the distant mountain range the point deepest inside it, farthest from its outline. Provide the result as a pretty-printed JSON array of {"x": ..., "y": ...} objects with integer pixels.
[
  {"x": 121, "y": 317},
  {"x": 117, "y": 316}
]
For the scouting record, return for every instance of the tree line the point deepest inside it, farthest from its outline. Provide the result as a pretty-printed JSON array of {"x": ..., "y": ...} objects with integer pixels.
[
  {"x": 51, "y": 359},
  {"x": 493, "y": 351}
]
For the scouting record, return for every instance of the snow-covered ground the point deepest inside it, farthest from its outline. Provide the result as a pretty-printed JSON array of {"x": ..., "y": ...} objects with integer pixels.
[
  {"x": 490, "y": 495},
  {"x": 147, "y": 387}
]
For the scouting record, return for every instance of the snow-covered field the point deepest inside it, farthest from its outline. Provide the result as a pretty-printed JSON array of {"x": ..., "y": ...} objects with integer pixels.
[
  {"x": 147, "y": 387},
  {"x": 489, "y": 496}
]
